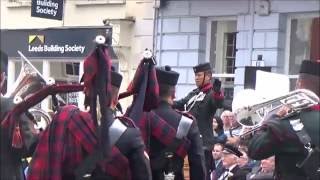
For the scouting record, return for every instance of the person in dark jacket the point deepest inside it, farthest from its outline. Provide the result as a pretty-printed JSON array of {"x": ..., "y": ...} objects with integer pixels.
[
  {"x": 232, "y": 171},
  {"x": 218, "y": 132},
  {"x": 278, "y": 135},
  {"x": 202, "y": 103},
  {"x": 129, "y": 148},
  {"x": 11, "y": 158},
  {"x": 185, "y": 128}
]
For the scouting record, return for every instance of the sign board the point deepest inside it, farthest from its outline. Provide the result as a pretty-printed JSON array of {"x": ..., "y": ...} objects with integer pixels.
[
  {"x": 49, "y": 9},
  {"x": 271, "y": 85},
  {"x": 53, "y": 42}
]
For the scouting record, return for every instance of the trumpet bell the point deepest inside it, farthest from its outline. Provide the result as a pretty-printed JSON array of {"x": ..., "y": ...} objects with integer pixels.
[
  {"x": 241, "y": 106},
  {"x": 42, "y": 119},
  {"x": 251, "y": 109}
]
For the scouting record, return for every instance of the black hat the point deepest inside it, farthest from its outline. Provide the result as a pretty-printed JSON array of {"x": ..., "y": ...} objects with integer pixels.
[
  {"x": 310, "y": 67},
  {"x": 3, "y": 61},
  {"x": 116, "y": 78},
  {"x": 202, "y": 67},
  {"x": 230, "y": 149},
  {"x": 166, "y": 76}
]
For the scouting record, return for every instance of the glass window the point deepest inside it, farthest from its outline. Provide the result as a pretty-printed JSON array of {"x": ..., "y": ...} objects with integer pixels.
[
  {"x": 72, "y": 69},
  {"x": 304, "y": 43},
  {"x": 230, "y": 46}
]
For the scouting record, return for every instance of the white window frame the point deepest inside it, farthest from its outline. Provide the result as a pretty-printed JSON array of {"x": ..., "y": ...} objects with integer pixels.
[{"x": 208, "y": 40}]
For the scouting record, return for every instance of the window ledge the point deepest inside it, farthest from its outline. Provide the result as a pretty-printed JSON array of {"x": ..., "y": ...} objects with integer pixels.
[
  {"x": 107, "y": 2},
  {"x": 18, "y": 4}
]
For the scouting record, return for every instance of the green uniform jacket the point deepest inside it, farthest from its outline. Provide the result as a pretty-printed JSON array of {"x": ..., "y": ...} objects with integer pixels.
[
  {"x": 203, "y": 111},
  {"x": 278, "y": 138}
]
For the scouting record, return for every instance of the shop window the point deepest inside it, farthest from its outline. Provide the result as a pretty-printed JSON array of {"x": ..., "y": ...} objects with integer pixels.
[{"x": 72, "y": 69}]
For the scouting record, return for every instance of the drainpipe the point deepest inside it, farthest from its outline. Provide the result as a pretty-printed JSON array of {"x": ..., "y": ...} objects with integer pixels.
[
  {"x": 155, "y": 25},
  {"x": 251, "y": 31}
]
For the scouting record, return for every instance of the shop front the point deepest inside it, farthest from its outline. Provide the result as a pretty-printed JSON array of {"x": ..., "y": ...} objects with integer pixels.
[{"x": 56, "y": 53}]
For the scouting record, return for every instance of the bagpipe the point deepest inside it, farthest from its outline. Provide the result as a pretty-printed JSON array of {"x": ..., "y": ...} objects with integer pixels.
[
  {"x": 29, "y": 90},
  {"x": 29, "y": 81}
]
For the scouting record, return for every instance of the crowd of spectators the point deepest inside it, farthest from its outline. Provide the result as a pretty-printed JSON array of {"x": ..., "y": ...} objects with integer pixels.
[{"x": 230, "y": 153}]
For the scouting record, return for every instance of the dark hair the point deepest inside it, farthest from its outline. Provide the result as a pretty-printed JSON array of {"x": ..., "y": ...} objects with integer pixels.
[
  {"x": 166, "y": 90},
  {"x": 219, "y": 122}
]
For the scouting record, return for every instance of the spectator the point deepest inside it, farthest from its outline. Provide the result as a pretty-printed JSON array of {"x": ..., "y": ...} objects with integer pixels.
[
  {"x": 230, "y": 155},
  {"x": 243, "y": 160},
  {"x": 263, "y": 172},
  {"x": 217, "y": 158},
  {"x": 218, "y": 133},
  {"x": 231, "y": 127}
]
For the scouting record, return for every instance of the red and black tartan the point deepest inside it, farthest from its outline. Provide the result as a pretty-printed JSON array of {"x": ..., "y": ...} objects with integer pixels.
[
  {"x": 148, "y": 97},
  {"x": 11, "y": 120},
  {"x": 145, "y": 72},
  {"x": 63, "y": 145},
  {"x": 162, "y": 131},
  {"x": 71, "y": 137}
]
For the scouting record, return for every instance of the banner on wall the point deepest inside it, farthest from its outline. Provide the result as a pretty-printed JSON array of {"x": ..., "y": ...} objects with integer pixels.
[{"x": 49, "y": 9}]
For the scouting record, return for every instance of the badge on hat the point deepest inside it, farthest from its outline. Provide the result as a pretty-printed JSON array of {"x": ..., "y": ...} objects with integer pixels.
[
  {"x": 166, "y": 76},
  {"x": 202, "y": 67}
]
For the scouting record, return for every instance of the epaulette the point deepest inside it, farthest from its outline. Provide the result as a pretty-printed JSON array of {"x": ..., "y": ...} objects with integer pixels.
[{"x": 126, "y": 121}]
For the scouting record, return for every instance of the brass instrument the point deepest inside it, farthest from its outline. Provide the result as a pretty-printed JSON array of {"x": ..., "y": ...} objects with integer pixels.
[
  {"x": 254, "y": 113},
  {"x": 28, "y": 82},
  {"x": 41, "y": 118}
]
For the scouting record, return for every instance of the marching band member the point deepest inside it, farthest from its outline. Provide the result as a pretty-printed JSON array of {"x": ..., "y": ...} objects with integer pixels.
[
  {"x": 293, "y": 140},
  {"x": 10, "y": 157},
  {"x": 185, "y": 127},
  {"x": 202, "y": 103},
  {"x": 77, "y": 146}
]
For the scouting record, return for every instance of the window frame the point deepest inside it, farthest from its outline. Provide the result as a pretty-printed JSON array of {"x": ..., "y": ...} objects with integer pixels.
[
  {"x": 290, "y": 17},
  {"x": 288, "y": 35}
]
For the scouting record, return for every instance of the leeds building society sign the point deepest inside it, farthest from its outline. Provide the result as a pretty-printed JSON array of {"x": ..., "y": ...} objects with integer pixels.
[
  {"x": 50, "y": 9},
  {"x": 52, "y": 42}
]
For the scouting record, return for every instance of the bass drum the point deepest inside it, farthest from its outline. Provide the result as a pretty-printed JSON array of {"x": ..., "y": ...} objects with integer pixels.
[{"x": 42, "y": 119}]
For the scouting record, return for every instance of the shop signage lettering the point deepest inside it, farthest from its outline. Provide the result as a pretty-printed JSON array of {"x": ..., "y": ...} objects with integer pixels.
[
  {"x": 50, "y": 9},
  {"x": 57, "y": 48}
]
